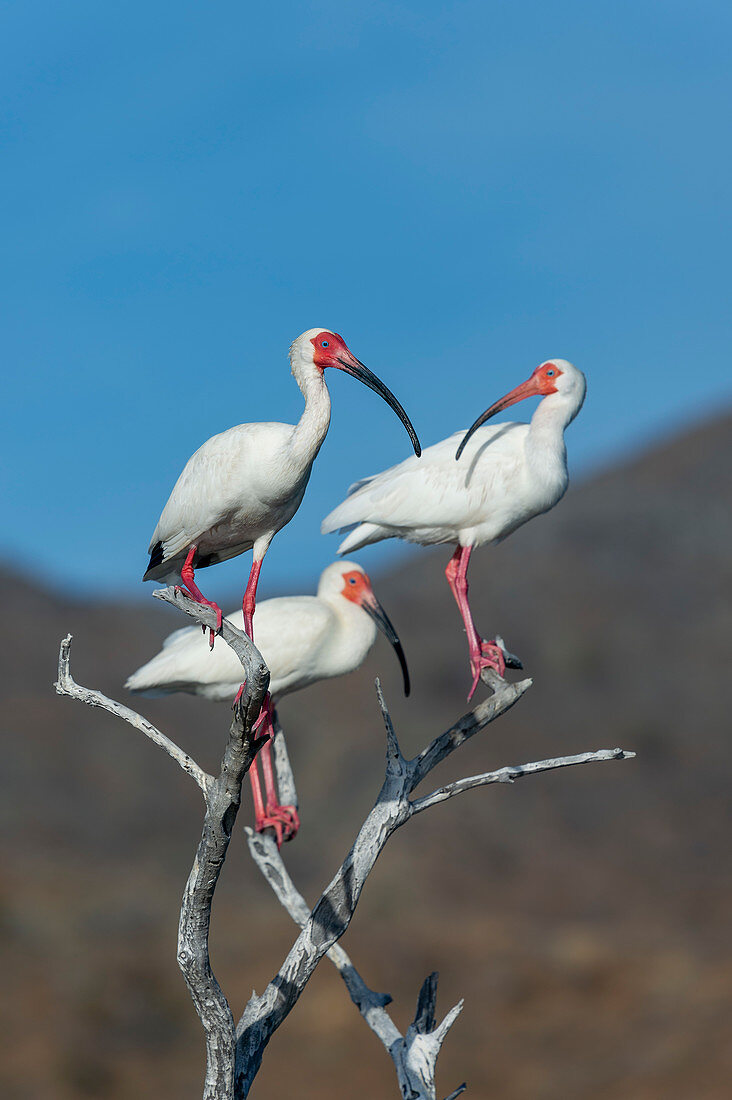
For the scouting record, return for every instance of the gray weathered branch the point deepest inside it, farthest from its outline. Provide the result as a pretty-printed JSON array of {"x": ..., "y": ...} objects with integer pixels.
[
  {"x": 331, "y": 916},
  {"x": 414, "y": 1054},
  {"x": 234, "y": 1054},
  {"x": 503, "y": 698},
  {"x": 195, "y": 914},
  {"x": 285, "y": 779},
  {"x": 247, "y": 653},
  {"x": 514, "y": 772},
  {"x": 66, "y": 685},
  {"x": 223, "y": 798},
  {"x": 222, "y": 807}
]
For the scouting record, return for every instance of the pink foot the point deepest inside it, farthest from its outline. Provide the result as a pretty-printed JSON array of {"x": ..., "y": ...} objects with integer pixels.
[
  {"x": 490, "y": 656},
  {"x": 283, "y": 819},
  {"x": 270, "y": 814},
  {"x": 206, "y": 603},
  {"x": 187, "y": 575},
  {"x": 264, "y": 713}
]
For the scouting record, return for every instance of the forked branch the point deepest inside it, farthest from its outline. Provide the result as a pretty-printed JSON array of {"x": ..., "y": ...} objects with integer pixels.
[
  {"x": 66, "y": 685},
  {"x": 234, "y": 1054},
  {"x": 415, "y": 1054}
]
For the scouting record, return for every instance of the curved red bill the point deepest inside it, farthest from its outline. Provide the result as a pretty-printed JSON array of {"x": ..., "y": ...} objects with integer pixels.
[{"x": 530, "y": 388}]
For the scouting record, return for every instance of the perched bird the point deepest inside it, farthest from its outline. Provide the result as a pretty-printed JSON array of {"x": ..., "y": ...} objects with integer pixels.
[
  {"x": 508, "y": 473},
  {"x": 242, "y": 486},
  {"x": 303, "y": 639}
]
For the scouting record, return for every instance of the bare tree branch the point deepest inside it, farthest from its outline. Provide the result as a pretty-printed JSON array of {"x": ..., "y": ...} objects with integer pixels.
[
  {"x": 503, "y": 698},
  {"x": 514, "y": 772},
  {"x": 266, "y": 855},
  {"x": 222, "y": 807},
  {"x": 331, "y": 916},
  {"x": 234, "y": 1054},
  {"x": 456, "y": 1092},
  {"x": 206, "y": 616},
  {"x": 411, "y": 1054},
  {"x": 415, "y": 1054},
  {"x": 223, "y": 798},
  {"x": 65, "y": 685},
  {"x": 195, "y": 914},
  {"x": 325, "y": 926},
  {"x": 285, "y": 778}
]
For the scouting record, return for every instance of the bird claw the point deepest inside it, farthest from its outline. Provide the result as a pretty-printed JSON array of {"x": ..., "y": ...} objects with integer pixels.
[
  {"x": 490, "y": 656},
  {"x": 283, "y": 819},
  {"x": 265, "y": 712},
  {"x": 216, "y": 608},
  {"x": 219, "y": 627}
]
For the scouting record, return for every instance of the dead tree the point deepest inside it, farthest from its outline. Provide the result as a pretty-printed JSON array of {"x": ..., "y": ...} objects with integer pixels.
[{"x": 234, "y": 1051}]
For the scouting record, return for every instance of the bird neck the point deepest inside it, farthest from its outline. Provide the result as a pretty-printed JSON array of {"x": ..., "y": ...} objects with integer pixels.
[
  {"x": 354, "y": 633},
  {"x": 545, "y": 446},
  {"x": 312, "y": 426},
  {"x": 555, "y": 413}
]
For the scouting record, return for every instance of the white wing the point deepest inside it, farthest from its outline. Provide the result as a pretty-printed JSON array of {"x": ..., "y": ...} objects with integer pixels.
[
  {"x": 289, "y": 633},
  {"x": 429, "y": 499},
  {"x": 227, "y": 476}
]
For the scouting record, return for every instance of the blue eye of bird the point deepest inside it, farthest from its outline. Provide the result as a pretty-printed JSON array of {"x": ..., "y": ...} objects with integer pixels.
[
  {"x": 550, "y": 374},
  {"x": 324, "y": 344},
  {"x": 352, "y": 580}
]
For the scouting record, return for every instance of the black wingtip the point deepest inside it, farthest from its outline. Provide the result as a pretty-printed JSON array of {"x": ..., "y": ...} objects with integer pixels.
[{"x": 156, "y": 558}]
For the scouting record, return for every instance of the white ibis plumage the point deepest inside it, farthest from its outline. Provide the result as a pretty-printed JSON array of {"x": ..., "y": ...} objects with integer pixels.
[
  {"x": 242, "y": 486},
  {"x": 303, "y": 639},
  {"x": 506, "y": 474}
]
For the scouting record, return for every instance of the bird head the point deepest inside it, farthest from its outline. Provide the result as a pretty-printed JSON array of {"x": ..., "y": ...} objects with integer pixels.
[
  {"x": 348, "y": 581},
  {"x": 321, "y": 348},
  {"x": 554, "y": 376}
]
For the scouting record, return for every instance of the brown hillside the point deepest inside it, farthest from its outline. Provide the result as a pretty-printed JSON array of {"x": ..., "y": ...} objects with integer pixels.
[{"x": 584, "y": 916}]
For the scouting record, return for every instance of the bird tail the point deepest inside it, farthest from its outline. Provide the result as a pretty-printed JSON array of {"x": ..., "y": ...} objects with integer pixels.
[
  {"x": 147, "y": 682},
  {"x": 161, "y": 674},
  {"x": 363, "y": 534},
  {"x": 156, "y": 559}
]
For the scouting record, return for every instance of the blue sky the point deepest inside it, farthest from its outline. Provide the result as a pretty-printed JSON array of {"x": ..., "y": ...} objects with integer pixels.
[{"x": 461, "y": 190}]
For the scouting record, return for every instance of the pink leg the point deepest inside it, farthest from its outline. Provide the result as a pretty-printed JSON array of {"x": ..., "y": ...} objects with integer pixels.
[
  {"x": 250, "y": 597},
  {"x": 259, "y": 813},
  {"x": 187, "y": 576},
  {"x": 260, "y": 816},
  {"x": 482, "y": 654},
  {"x": 283, "y": 819},
  {"x": 248, "y": 610}
]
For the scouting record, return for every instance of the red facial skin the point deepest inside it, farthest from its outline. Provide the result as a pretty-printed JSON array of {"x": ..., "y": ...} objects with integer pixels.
[
  {"x": 545, "y": 377},
  {"x": 356, "y": 586},
  {"x": 329, "y": 356},
  {"x": 541, "y": 383}
]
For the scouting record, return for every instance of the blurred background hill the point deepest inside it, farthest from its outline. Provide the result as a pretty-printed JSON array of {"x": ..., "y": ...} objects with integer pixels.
[{"x": 584, "y": 916}]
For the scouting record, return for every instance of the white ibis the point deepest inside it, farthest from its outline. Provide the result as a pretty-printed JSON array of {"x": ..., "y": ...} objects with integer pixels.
[
  {"x": 303, "y": 639},
  {"x": 242, "y": 486},
  {"x": 508, "y": 474}
]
